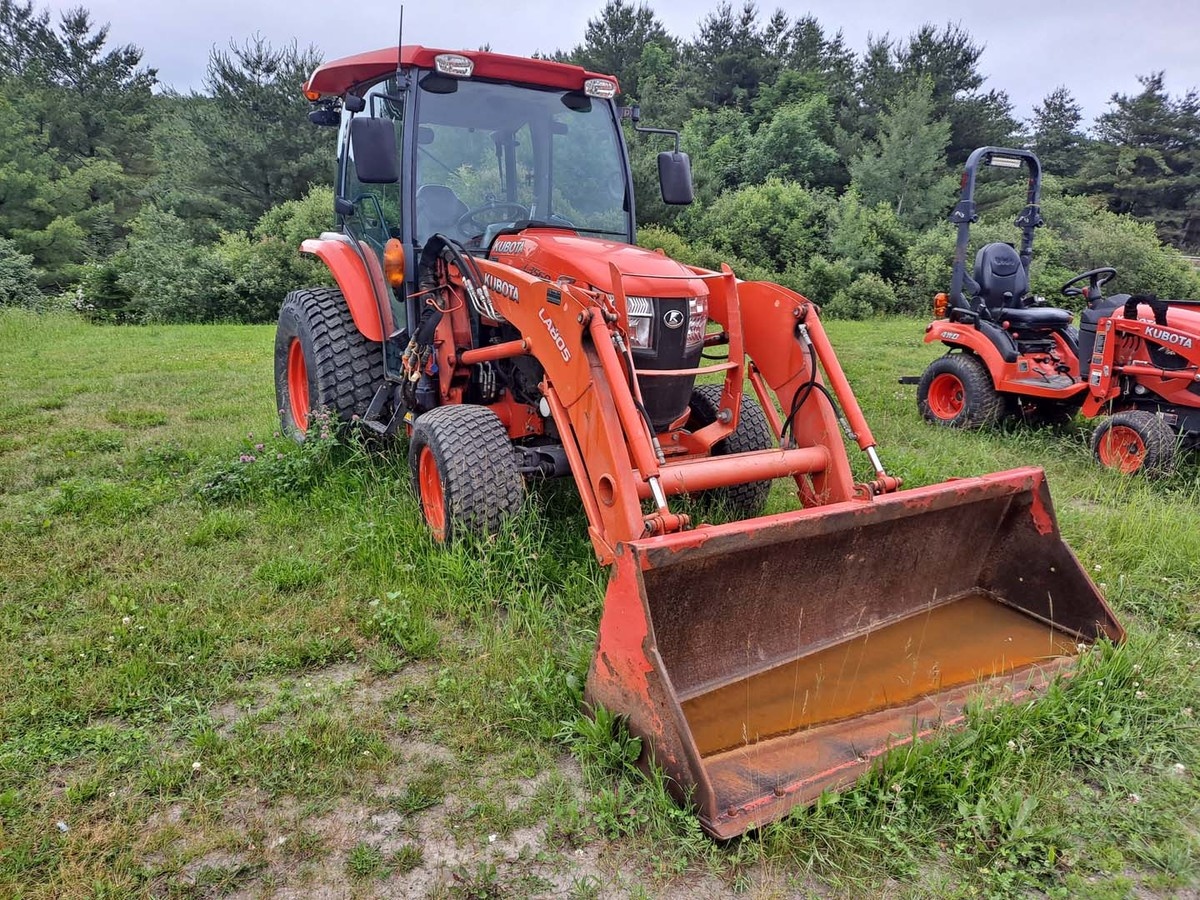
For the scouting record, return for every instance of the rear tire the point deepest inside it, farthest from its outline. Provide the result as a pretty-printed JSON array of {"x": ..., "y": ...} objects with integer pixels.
[
  {"x": 753, "y": 432},
  {"x": 322, "y": 361},
  {"x": 1135, "y": 441},
  {"x": 956, "y": 391},
  {"x": 464, "y": 472}
]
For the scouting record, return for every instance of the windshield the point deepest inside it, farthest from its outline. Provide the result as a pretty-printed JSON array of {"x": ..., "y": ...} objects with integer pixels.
[{"x": 493, "y": 155}]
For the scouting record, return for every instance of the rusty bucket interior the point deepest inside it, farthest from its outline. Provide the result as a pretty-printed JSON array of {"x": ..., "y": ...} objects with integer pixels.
[{"x": 766, "y": 661}]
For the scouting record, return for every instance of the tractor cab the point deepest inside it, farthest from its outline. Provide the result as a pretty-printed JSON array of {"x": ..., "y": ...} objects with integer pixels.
[{"x": 449, "y": 157}]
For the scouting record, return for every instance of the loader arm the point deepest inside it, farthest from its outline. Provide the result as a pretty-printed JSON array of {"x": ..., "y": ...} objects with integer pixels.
[{"x": 592, "y": 391}]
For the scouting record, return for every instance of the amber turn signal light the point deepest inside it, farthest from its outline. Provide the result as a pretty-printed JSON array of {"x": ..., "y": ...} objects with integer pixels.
[
  {"x": 940, "y": 302},
  {"x": 393, "y": 262}
]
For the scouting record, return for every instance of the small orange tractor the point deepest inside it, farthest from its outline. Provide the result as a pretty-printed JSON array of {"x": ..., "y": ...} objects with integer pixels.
[
  {"x": 492, "y": 304},
  {"x": 1133, "y": 362}
]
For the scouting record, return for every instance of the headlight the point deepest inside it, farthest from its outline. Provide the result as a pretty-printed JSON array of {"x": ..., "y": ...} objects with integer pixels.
[
  {"x": 639, "y": 311},
  {"x": 697, "y": 320}
]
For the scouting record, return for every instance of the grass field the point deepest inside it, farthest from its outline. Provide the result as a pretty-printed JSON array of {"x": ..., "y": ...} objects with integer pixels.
[{"x": 231, "y": 676}]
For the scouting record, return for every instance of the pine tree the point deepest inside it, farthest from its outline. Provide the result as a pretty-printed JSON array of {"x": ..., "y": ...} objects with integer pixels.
[
  {"x": 1057, "y": 138},
  {"x": 616, "y": 39},
  {"x": 1147, "y": 159},
  {"x": 260, "y": 148},
  {"x": 905, "y": 166}
]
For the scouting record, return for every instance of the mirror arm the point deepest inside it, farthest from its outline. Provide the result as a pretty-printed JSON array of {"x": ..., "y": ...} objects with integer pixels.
[{"x": 671, "y": 131}]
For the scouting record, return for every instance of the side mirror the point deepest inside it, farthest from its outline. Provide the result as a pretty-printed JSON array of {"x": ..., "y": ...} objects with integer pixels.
[
  {"x": 325, "y": 117},
  {"x": 675, "y": 177},
  {"x": 373, "y": 145}
]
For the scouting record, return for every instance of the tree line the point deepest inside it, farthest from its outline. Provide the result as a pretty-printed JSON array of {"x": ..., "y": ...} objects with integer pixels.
[{"x": 828, "y": 169}]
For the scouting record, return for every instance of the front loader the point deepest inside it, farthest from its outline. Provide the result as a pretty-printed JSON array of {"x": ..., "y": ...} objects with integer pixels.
[{"x": 492, "y": 305}]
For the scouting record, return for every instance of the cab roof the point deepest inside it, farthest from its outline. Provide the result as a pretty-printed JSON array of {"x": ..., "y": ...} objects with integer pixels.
[{"x": 332, "y": 79}]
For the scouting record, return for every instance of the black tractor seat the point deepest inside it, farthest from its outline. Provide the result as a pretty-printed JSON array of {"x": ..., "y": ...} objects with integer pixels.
[
  {"x": 1034, "y": 317},
  {"x": 1001, "y": 279}
]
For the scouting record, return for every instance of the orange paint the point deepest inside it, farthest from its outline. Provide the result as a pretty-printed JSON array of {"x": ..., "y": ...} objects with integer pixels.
[{"x": 966, "y": 640}]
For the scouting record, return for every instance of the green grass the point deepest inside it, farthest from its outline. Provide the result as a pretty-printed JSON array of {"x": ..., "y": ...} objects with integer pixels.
[{"x": 226, "y": 676}]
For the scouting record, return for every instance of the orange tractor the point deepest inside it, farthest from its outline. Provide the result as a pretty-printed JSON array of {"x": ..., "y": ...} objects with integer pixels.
[
  {"x": 491, "y": 303},
  {"x": 1133, "y": 362}
]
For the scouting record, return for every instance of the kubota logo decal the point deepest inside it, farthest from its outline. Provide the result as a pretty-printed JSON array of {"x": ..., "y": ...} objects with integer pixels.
[
  {"x": 501, "y": 287},
  {"x": 510, "y": 247},
  {"x": 555, "y": 335},
  {"x": 1169, "y": 337},
  {"x": 673, "y": 318}
]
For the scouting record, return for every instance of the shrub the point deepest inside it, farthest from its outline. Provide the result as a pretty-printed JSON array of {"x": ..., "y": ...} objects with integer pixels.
[
  {"x": 868, "y": 238},
  {"x": 868, "y": 295},
  {"x": 774, "y": 225},
  {"x": 18, "y": 278},
  {"x": 820, "y": 279},
  {"x": 162, "y": 275},
  {"x": 698, "y": 253}
]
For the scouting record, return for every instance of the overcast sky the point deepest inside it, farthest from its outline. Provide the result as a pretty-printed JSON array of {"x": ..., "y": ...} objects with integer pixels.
[{"x": 1094, "y": 47}]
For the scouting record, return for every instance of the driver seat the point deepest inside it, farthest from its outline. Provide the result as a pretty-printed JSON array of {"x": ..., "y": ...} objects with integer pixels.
[
  {"x": 438, "y": 211},
  {"x": 1001, "y": 285}
]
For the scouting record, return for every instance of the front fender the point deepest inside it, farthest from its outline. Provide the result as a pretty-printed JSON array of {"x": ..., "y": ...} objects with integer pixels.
[{"x": 346, "y": 266}]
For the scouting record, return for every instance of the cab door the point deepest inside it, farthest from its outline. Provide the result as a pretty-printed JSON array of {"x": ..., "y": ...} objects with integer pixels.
[{"x": 376, "y": 213}]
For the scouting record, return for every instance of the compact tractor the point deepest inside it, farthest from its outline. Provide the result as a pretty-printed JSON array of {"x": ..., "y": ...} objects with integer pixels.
[
  {"x": 492, "y": 306},
  {"x": 1134, "y": 361}
]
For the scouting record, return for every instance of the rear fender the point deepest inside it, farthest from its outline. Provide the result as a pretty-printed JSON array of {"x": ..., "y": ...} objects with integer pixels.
[
  {"x": 965, "y": 337},
  {"x": 353, "y": 280}
]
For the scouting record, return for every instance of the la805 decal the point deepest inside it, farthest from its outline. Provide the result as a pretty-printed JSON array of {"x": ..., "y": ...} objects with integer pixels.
[{"x": 555, "y": 335}]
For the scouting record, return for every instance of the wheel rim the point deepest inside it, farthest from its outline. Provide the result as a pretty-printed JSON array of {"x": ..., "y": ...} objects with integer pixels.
[
  {"x": 297, "y": 381},
  {"x": 1122, "y": 448},
  {"x": 946, "y": 396},
  {"x": 433, "y": 501}
]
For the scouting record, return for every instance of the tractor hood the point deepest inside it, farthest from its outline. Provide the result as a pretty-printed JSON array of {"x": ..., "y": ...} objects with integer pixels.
[{"x": 552, "y": 254}]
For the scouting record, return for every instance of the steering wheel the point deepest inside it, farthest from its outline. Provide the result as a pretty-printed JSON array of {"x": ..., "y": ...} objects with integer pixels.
[
  {"x": 1096, "y": 279},
  {"x": 468, "y": 221}
]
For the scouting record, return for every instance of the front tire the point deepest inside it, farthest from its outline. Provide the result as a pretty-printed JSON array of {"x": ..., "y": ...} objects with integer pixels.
[
  {"x": 464, "y": 472},
  {"x": 753, "y": 432},
  {"x": 322, "y": 361},
  {"x": 956, "y": 391},
  {"x": 1135, "y": 441}
]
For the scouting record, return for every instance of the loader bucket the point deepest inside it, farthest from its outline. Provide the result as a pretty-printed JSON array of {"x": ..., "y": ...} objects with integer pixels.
[{"x": 765, "y": 661}]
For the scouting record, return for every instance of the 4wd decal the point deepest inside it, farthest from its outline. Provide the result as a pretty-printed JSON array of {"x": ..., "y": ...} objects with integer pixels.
[
  {"x": 501, "y": 287},
  {"x": 1169, "y": 337},
  {"x": 555, "y": 335},
  {"x": 510, "y": 247},
  {"x": 951, "y": 335}
]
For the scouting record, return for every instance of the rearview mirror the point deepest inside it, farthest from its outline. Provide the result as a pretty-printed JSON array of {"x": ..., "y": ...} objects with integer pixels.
[
  {"x": 373, "y": 146},
  {"x": 675, "y": 177},
  {"x": 325, "y": 117}
]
